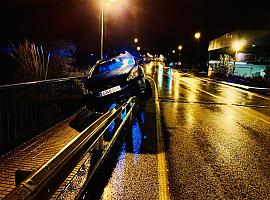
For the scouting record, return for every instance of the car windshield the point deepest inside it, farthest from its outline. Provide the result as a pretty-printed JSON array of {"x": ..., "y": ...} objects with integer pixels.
[{"x": 107, "y": 67}]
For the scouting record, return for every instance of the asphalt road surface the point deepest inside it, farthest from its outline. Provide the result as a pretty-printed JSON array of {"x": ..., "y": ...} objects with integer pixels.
[
  {"x": 217, "y": 137},
  {"x": 217, "y": 143}
]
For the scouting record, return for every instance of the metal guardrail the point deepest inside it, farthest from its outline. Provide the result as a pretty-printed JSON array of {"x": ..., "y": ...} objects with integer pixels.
[
  {"x": 28, "y": 109},
  {"x": 43, "y": 183}
]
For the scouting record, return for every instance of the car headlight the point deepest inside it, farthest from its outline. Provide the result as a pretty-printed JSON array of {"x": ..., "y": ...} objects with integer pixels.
[{"x": 134, "y": 74}]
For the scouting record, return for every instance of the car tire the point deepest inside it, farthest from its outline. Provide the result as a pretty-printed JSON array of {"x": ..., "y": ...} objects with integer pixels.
[
  {"x": 92, "y": 105},
  {"x": 147, "y": 95}
]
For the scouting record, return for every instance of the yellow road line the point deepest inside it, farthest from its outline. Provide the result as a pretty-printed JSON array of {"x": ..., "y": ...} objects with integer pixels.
[{"x": 162, "y": 170}]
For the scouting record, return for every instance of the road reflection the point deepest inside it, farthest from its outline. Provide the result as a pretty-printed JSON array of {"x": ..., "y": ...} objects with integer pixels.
[
  {"x": 149, "y": 68},
  {"x": 131, "y": 152},
  {"x": 176, "y": 89},
  {"x": 160, "y": 77},
  {"x": 232, "y": 96},
  {"x": 136, "y": 140},
  {"x": 170, "y": 78},
  {"x": 231, "y": 141},
  {"x": 115, "y": 188}
]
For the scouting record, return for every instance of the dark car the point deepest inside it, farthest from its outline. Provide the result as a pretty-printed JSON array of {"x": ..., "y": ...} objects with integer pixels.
[{"x": 114, "y": 80}]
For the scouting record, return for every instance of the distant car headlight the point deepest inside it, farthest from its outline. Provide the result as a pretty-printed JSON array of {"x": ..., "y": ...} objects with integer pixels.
[{"x": 134, "y": 74}]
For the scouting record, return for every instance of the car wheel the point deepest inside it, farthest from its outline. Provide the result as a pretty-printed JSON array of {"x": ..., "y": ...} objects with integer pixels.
[
  {"x": 147, "y": 95},
  {"x": 92, "y": 105}
]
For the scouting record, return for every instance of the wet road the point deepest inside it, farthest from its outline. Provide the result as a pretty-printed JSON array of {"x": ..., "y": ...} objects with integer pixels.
[
  {"x": 217, "y": 143},
  {"x": 217, "y": 138}
]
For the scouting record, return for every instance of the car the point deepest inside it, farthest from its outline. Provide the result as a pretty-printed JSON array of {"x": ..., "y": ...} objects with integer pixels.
[{"x": 114, "y": 80}]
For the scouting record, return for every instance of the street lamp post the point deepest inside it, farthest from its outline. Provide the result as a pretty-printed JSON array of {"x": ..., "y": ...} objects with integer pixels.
[
  {"x": 102, "y": 30},
  {"x": 136, "y": 40},
  {"x": 197, "y": 36},
  {"x": 237, "y": 46},
  {"x": 180, "y": 47},
  {"x": 102, "y": 4}
]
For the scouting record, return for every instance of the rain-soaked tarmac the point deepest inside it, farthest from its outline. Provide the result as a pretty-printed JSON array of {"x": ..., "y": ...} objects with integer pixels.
[{"x": 216, "y": 143}]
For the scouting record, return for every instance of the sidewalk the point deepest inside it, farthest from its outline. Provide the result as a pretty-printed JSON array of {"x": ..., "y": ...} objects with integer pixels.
[
  {"x": 260, "y": 90},
  {"x": 34, "y": 153}
]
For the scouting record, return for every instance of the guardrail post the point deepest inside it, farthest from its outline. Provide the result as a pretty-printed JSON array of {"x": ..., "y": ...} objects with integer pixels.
[
  {"x": 123, "y": 114},
  {"x": 101, "y": 143},
  {"x": 130, "y": 105}
]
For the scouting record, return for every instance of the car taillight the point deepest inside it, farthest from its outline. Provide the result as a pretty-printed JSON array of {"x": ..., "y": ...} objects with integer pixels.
[{"x": 134, "y": 74}]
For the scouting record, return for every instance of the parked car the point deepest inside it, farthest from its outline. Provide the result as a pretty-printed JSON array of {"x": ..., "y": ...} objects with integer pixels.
[{"x": 114, "y": 80}]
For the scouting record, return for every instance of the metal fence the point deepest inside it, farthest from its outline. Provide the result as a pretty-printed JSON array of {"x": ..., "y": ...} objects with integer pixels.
[
  {"x": 45, "y": 181},
  {"x": 28, "y": 109}
]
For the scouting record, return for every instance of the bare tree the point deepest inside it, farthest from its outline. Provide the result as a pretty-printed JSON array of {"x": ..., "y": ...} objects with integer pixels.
[{"x": 32, "y": 61}]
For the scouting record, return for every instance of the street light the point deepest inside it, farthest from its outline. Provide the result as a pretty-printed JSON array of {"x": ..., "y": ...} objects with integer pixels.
[
  {"x": 138, "y": 48},
  {"x": 136, "y": 40},
  {"x": 197, "y": 36},
  {"x": 109, "y": 2},
  {"x": 180, "y": 47},
  {"x": 173, "y": 51},
  {"x": 237, "y": 46}
]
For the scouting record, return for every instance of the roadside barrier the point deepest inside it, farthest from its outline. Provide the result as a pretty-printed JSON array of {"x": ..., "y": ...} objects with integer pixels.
[{"x": 43, "y": 183}]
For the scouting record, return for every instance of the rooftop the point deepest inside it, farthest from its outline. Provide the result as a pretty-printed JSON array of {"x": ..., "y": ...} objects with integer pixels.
[{"x": 251, "y": 37}]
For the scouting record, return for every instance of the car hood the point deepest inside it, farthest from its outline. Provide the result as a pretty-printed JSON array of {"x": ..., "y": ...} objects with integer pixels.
[
  {"x": 122, "y": 71},
  {"x": 108, "y": 79}
]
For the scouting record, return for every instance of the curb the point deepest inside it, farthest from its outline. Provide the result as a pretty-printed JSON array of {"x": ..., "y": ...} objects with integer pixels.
[{"x": 264, "y": 91}]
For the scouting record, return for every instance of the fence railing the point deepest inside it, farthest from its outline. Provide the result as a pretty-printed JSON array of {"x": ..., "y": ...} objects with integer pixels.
[
  {"x": 43, "y": 183},
  {"x": 28, "y": 109}
]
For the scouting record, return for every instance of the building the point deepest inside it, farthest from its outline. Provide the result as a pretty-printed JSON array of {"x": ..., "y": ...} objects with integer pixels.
[{"x": 244, "y": 53}]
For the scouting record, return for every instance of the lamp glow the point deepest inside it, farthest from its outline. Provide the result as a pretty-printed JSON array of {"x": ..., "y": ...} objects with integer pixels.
[
  {"x": 238, "y": 45},
  {"x": 197, "y": 35}
]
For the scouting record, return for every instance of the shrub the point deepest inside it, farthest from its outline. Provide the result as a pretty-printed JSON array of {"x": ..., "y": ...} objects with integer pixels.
[{"x": 32, "y": 62}]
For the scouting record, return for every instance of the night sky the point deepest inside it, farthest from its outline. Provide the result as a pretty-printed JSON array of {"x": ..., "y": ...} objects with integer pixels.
[{"x": 160, "y": 25}]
